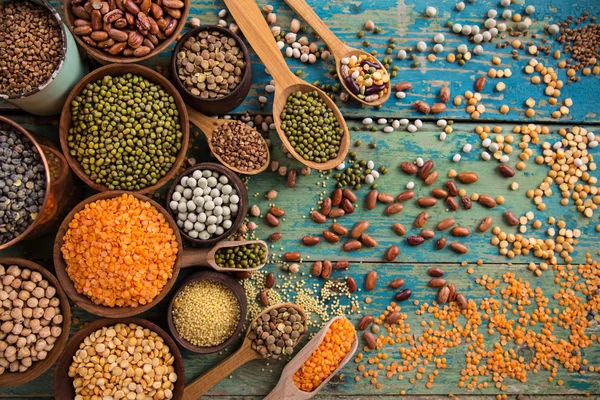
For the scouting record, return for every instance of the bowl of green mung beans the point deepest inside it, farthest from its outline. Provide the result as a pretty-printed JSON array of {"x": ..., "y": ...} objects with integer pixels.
[{"x": 124, "y": 127}]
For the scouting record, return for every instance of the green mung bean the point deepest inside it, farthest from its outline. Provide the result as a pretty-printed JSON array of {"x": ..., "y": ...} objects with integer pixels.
[{"x": 243, "y": 257}]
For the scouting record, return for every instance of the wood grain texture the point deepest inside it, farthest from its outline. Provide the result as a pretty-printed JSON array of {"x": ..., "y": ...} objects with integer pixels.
[{"x": 403, "y": 19}]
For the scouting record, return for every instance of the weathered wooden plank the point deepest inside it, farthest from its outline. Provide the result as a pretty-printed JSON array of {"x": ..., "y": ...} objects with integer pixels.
[{"x": 404, "y": 21}]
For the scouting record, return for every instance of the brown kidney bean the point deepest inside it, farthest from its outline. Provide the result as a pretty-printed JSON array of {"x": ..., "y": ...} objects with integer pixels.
[
  {"x": 359, "y": 228},
  {"x": 347, "y": 206},
  {"x": 431, "y": 178},
  {"x": 396, "y": 283},
  {"x": 426, "y": 169},
  {"x": 336, "y": 213},
  {"x": 311, "y": 240},
  {"x": 462, "y": 301},
  {"x": 385, "y": 198},
  {"x": 317, "y": 217},
  {"x": 331, "y": 237},
  {"x": 141, "y": 51},
  {"x": 327, "y": 269},
  {"x": 415, "y": 240},
  {"x": 409, "y": 194},
  {"x": 339, "y": 229},
  {"x": 409, "y": 168},
  {"x": 427, "y": 234},
  {"x": 451, "y": 203},
  {"x": 452, "y": 294},
  {"x": 264, "y": 300},
  {"x": 437, "y": 282},
  {"x": 370, "y": 339},
  {"x": 486, "y": 200},
  {"x": 452, "y": 189},
  {"x": 368, "y": 240},
  {"x": 467, "y": 177},
  {"x": 291, "y": 256},
  {"x": 461, "y": 231},
  {"x": 442, "y": 296},
  {"x": 459, "y": 248},
  {"x": 511, "y": 218},
  {"x": 352, "y": 245},
  {"x": 399, "y": 229},
  {"x": 276, "y": 211},
  {"x": 326, "y": 206},
  {"x": 445, "y": 224},
  {"x": 426, "y": 201},
  {"x": 441, "y": 243},
  {"x": 421, "y": 219},
  {"x": 439, "y": 193},
  {"x": 372, "y": 199},
  {"x": 349, "y": 194},
  {"x": 351, "y": 282},
  {"x": 156, "y": 10},
  {"x": 403, "y": 295},
  {"x": 392, "y": 253},
  {"x": 100, "y": 36},
  {"x": 106, "y": 44},
  {"x": 436, "y": 272},
  {"x": 291, "y": 176},
  {"x": 272, "y": 220},
  {"x": 83, "y": 30},
  {"x": 466, "y": 202},
  {"x": 135, "y": 39},
  {"x": 342, "y": 264},
  {"x": 275, "y": 237},
  {"x": 365, "y": 322},
  {"x": 392, "y": 318},
  {"x": 394, "y": 209},
  {"x": 242, "y": 274},
  {"x": 317, "y": 268},
  {"x": 485, "y": 224},
  {"x": 336, "y": 197},
  {"x": 270, "y": 280},
  {"x": 371, "y": 280},
  {"x": 506, "y": 170},
  {"x": 80, "y": 12}
]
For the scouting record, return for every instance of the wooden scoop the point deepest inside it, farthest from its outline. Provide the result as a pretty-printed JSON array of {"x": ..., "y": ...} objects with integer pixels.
[
  {"x": 208, "y": 126},
  {"x": 250, "y": 20},
  {"x": 337, "y": 47},
  {"x": 286, "y": 388},
  {"x": 244, "y": 354},
  {"x": 206, "y": 257}
]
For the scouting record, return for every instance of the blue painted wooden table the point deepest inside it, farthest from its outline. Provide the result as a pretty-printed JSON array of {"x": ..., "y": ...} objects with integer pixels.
[{"x": 405, "y": 21}]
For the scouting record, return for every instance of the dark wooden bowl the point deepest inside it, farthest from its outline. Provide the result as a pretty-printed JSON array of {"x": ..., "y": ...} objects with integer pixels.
[
  {"x": 223, "y": 104},
  {"x": 238, "y": 185},
  {"x": 82, "y": 300},
  {"x": 118, "y": 70},
  {"x": 10, "y": 379},
  {"x": 63, "y": 384},
  {"x": 239, "y": 294},
  {"x": 104, "y": 57}
]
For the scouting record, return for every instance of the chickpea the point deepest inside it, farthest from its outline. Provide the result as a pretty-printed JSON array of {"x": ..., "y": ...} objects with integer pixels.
[
  {"x": 3, "y": 295},
  {"x": 23, "y": 351},
  {"x": 10, "y": 351},
  {"x": 45, "y": 332},
  {"x": 41, "y": 355},
  {"x": 21, "y": 342},
  {"x": 43, "y": 302},
  {"x": 38, "y": 292},
  {"x": 54, "y": 302},
  {"x": 16, "y": 283},
  {"x": 6, "y": 326},
  {"x": 38, "y": 312},
  {"x": 16, "y": 314},
  {"x": 7, "y": 280},
  {"x": 50, "y": 292},
  {"x": 49, "y": 313},
  {"x": 25, "y": 274},
  {"x": 14, "y": 270},
  {"x": 58, "y": 319},
  {"x": 24, "y": 295},
  {"x": 41, "y": 345},
  {"x": 32, "y": 302},
  {"x": 17, "y": 329},
  {"x": 18, "y": 303},
  {"x": 36, "y": 276},
  {"x": 3, "y": 346},
  {"x": 43, "y": 284},
  {"x": 29, "y": 286}
]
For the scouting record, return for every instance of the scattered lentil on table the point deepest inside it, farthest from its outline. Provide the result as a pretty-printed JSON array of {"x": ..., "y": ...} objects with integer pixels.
[
  {"x": 32, "y": 47},
  {"x": 126, "y": 132},
  {"x": 22, "y": 183},
  {"x": 240, "y": 146},
  {"x": 120, "y": 252},
  {"x": 206, "y": 313},
  {"x": 211, "y": 65}
]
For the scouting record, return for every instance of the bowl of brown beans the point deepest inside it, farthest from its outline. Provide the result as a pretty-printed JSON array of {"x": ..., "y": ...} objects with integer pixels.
[
  {"x": 35, "y": 323},
  {"x": 211, "y": 68},
  {"x": 207, "y": 312},
  {"x": 125, "y": 31},
  {"x": 154, "y": 367}
]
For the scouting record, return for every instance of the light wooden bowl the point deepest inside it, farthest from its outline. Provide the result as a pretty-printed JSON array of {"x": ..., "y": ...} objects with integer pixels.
[
  {"x": 235, "y": 181},
  {"x": 238, "y": 292},
  {"x": 10, "y": 379},
  {"x": 104, "y": 57},
  {"x": 63, "y": 384},
  {"x": 85, "y": 302},
  {"x": 118, "y": 70}
]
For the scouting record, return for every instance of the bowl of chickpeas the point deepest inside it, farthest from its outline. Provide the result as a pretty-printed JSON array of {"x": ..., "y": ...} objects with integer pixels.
[{"x": 35, "y": 320}]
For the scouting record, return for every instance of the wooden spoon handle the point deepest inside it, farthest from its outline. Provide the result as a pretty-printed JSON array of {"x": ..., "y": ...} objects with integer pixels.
[
  {"x": 194, "y": 258},
  {"x": 204, "y": 123},
  {"x": 252, "y": 23},
  {"x": 337, "y": 47},
  {"x": 203, "y": 384}
]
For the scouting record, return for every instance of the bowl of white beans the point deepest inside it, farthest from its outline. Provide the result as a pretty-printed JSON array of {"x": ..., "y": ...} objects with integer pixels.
[{"x": 208, "y": 202}]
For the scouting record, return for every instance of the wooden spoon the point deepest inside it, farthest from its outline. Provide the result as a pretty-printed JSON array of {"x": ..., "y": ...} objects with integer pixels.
[
  {"x": 208, "y": 126},
  {"x": 244, "y": 354},
  {"x": 206, "y": 257},
  {"x": 250, "y": 20},
  {"x": 286, "y": 388},
  {"x": 337, "y": 47}
]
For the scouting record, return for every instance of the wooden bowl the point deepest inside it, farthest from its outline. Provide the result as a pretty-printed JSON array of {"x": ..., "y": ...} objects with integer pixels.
[
  {"x": 223, "y": 104},
  {"x": 235, "y": 181},
  {"x": 239, "y": 294},
  {"x": 105, "y": 58},
  {"x": 10, "y": 379},
  {"x": 63, "y": 384},
  {"x": 85, "y": 302},
  {"x": 118, "y": 70}
]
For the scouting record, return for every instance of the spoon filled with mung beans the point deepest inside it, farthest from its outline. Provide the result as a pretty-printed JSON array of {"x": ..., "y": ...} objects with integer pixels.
[
  {"x": 308, "y": 122},
  {"x": 363, "y": 76},
  {"x": 236, "y": 145},
  {"x": 272, "y": 334},
  {"x": 231, "y": 256}
]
